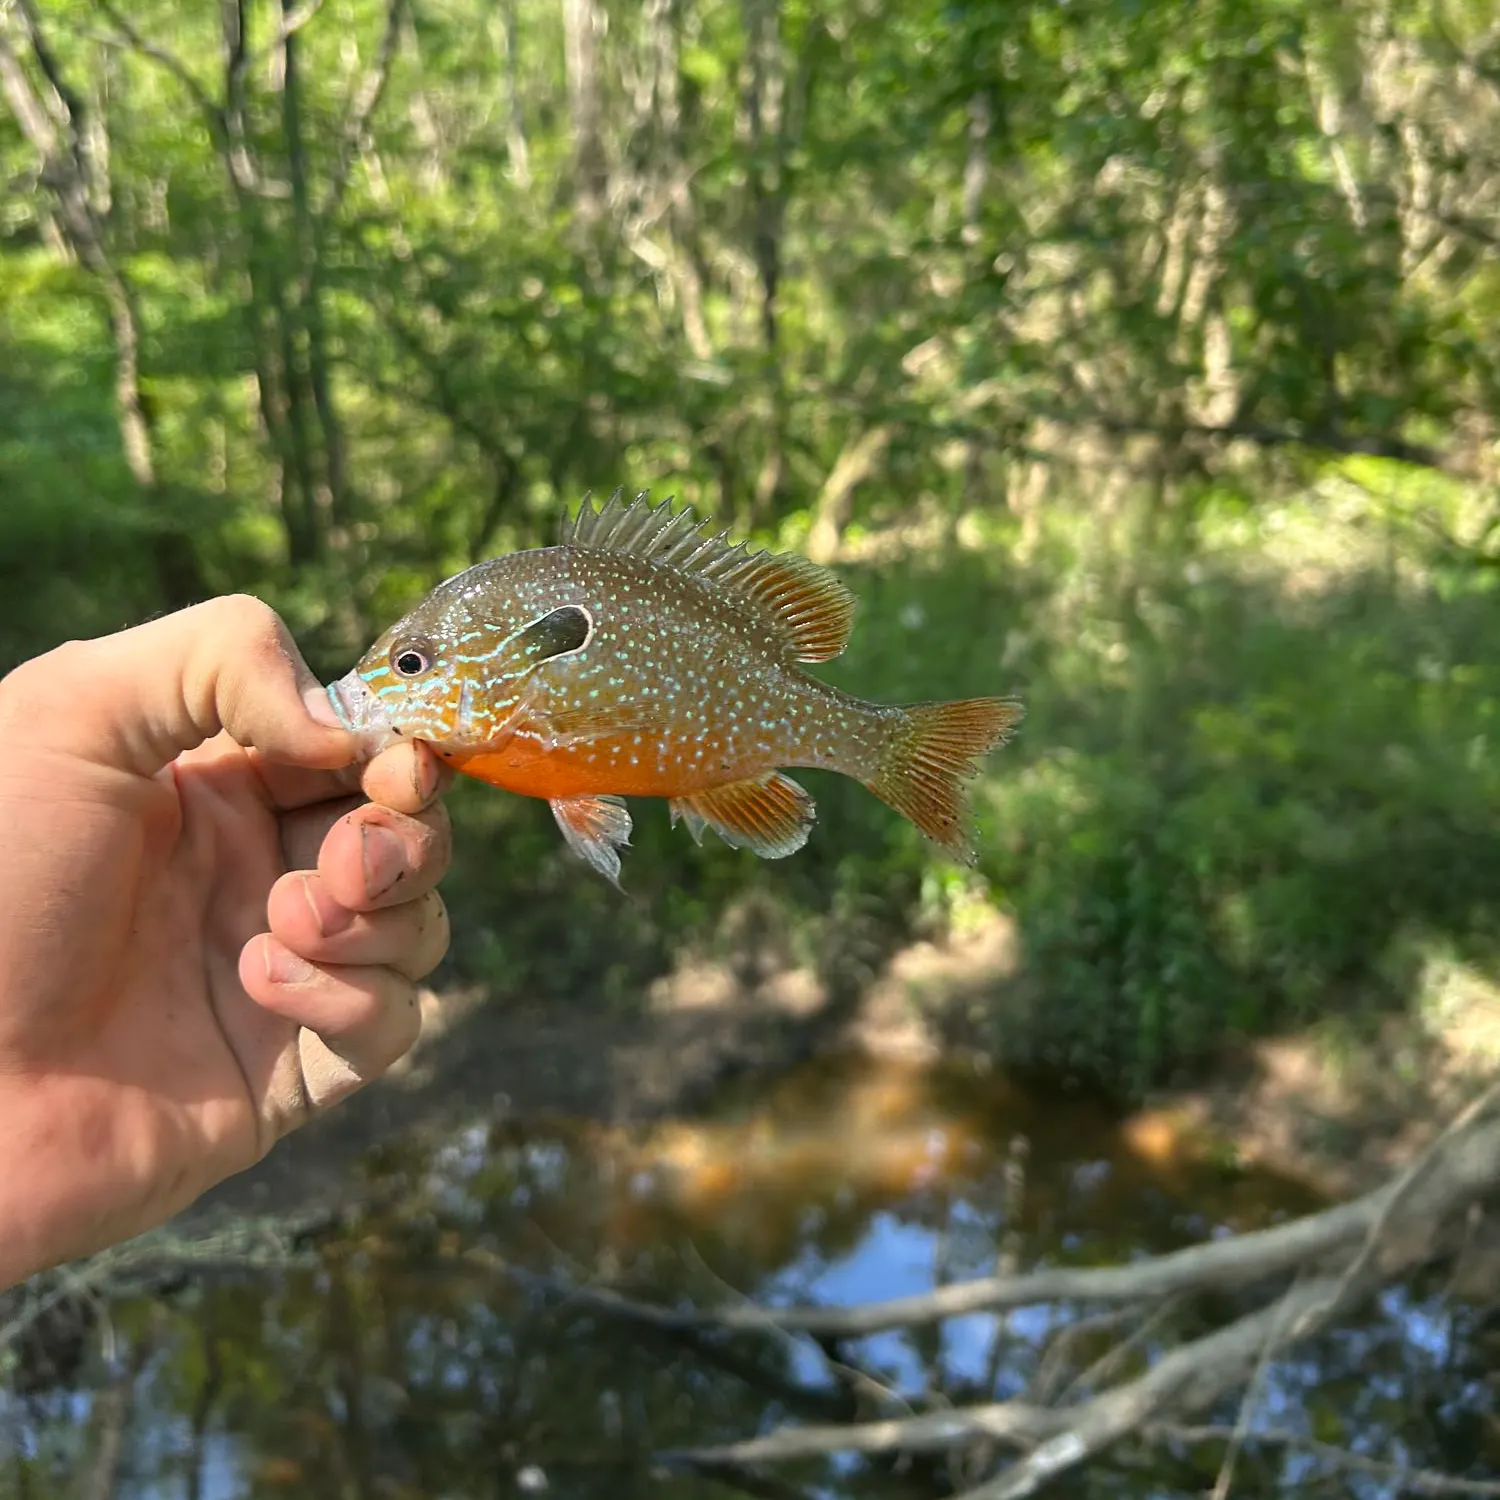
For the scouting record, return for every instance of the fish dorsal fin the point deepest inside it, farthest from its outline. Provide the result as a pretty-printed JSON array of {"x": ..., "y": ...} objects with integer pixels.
[{"x": 800, "y": 602}]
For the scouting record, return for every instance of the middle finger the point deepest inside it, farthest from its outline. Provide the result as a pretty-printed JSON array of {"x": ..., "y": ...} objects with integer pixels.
[{"x": 373, "y": 857}]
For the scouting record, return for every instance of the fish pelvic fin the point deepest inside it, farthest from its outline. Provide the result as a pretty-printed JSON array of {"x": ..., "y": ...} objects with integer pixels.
[
  {"x": 596, "y": 829},
  {"x": 769, "y": 815},
  {"x": 680, "y": 808},
  {"x": 934, "y": 749},
  {"x": 797, "y": 601}
]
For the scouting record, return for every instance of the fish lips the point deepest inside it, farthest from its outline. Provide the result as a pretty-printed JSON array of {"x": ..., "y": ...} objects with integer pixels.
[{"x": 362, "y": 714}]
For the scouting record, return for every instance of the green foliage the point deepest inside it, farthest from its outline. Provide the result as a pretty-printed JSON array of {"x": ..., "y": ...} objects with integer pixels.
[
  {"x": 1111, "y": 292},
  {"x": 1256, "y": 812}
]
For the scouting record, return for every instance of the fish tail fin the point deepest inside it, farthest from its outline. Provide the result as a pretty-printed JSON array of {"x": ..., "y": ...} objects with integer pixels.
[{"x": 934, "y": 748}]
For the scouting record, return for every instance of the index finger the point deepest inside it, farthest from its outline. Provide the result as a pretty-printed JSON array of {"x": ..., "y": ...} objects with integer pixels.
[{"x": 407, "y": 777}]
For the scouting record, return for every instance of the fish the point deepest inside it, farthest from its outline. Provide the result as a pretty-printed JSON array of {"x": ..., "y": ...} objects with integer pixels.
[{"x": 641, "y": 656}]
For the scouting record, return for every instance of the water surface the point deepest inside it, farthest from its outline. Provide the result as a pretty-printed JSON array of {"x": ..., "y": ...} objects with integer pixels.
[{"x": 437, "y": 1347}]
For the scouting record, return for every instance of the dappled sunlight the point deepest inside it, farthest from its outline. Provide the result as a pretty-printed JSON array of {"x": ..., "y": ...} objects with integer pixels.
[{"x": 1255, "y": 820}]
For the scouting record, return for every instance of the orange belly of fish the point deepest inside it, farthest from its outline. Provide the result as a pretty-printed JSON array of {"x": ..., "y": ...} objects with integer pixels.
[{"x": 594, "y": 772}]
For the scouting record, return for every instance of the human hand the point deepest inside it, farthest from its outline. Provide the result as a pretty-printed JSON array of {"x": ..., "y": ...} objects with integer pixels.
[{"x": 206, "y": 935}]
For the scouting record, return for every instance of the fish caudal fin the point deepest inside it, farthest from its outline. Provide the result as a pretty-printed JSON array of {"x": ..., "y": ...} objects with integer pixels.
[{"x": 933, "y": 750}]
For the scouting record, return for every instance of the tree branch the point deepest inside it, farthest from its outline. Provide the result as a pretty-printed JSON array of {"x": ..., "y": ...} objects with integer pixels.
[
  {"x": 1381, "y": 1235},
  {"x": 68, "y": 111},
  {"x": 169, "y": 60},
  {"x": 857, "y": 461},
  {"x": 366, "y": 101},
  {"x": 1218, "y": 1265},
  {"x": 1189, "y": 1378}
]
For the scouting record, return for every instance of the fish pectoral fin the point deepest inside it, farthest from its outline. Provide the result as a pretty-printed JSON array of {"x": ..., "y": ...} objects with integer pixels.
[
  {"x": 560, "y": 728},
  {"x": 596, "y": 828},
  {"x": 680, "y": 807},
  {"x": 769, "y": 815}
]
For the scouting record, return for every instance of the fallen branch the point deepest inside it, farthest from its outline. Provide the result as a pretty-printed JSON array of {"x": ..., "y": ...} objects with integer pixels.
[
  {"x": 1218, "y": 1266},
  {"x": 1221, "y": 1265},
  {"x": 161, "y": 1259},
  {"x": 1188, "y": 1379},
  {"x": 1059, "y": 1436},
  {"x": 1381, "y": 1235},
  {"x": 1407, "y": 1481}
]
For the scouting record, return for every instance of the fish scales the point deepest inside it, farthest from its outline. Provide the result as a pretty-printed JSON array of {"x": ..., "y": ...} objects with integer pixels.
[{"x": 640, "y": 658}]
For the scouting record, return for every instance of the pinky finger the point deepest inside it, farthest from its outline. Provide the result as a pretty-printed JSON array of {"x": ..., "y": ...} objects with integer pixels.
[{"x": 358, "y": 1019}]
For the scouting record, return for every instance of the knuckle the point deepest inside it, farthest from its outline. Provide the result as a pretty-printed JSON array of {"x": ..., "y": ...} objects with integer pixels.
[
  {"x": 255, "y": 629},
  {"x": 368, "y": 1002},
  {"x": 245, "y": 615}
]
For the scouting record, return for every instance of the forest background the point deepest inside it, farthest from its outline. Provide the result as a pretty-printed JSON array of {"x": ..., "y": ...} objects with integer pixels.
[{"x": 1136, "y": 357}]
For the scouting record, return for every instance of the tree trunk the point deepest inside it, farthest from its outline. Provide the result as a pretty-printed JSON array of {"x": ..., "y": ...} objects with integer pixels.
[
  {"x": 69, "y": 143},
  {"x": 583, "y": 26},
  {"x": 660, "y": 24},
  {"x": 764, "y": 97},
  {"x": 858, "y": 461},
  {"x": 515, "y": 118},
  {"x": 310, "y": 336}
]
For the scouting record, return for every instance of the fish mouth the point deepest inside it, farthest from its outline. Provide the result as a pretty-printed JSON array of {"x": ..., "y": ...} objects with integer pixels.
[{"x": 362, "y": 713}]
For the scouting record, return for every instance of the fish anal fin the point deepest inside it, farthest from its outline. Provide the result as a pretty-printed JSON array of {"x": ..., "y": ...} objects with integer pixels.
[
  {"x": 933, "y": 750},
  {"x": 800, "y": 602},
  {"x": 769, "y": 815},
  {"x": 596, "y": 829}
]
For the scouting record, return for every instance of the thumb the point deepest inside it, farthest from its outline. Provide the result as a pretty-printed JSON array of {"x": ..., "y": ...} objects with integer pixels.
[{"x": 139, "y": 699}]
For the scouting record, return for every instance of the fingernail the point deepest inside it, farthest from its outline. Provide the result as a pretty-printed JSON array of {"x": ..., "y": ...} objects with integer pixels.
[
  {"x": 383, "y": 857},
  {"x": 329, "y": 915},
  {"x": 285, "y": 967},
  {"x": 320, "y": 706}
]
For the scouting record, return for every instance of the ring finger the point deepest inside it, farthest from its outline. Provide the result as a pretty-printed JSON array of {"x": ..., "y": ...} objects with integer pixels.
[{"x": 410, "y": 938}]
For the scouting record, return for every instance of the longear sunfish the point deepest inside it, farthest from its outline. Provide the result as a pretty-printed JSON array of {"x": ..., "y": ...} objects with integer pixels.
[{"x": 640, "y": 657}]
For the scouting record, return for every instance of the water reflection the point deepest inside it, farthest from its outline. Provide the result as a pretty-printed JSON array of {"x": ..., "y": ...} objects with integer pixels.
[{"x": 409, "y": 1361}]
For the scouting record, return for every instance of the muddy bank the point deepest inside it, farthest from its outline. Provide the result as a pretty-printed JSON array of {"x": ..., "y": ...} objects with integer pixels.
[{"x": 1337, "y": 1118}]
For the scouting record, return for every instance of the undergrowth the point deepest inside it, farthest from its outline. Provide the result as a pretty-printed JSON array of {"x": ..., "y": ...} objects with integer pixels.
[{"x": 1254, "y": 784}]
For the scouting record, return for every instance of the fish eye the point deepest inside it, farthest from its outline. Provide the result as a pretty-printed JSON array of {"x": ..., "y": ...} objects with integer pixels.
[{"x": 411, "y": 659}]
